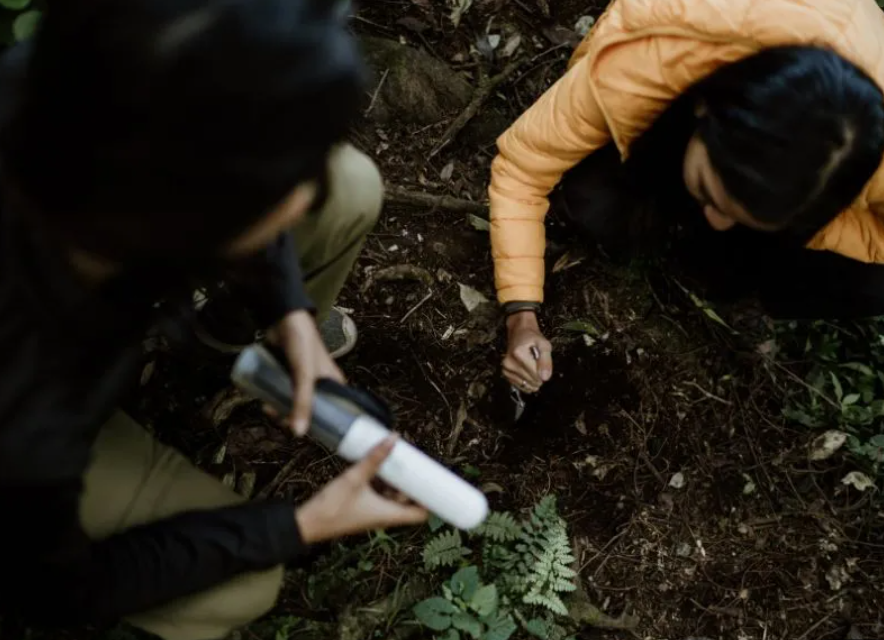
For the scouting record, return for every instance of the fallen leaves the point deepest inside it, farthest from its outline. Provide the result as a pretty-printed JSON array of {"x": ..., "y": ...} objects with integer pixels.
[
  {"x": 471, "y": 298},
  {"x": 825, "y": 446}
]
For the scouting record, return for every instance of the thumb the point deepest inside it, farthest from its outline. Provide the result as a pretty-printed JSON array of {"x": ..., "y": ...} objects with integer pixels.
[
  {"x": 545, "y": 362},
  {"x": 303, "y": 404},
  {"x": 367, "y": 468}
]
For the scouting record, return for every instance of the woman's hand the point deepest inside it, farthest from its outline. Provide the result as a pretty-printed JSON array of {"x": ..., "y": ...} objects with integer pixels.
[
  {"x": 349, "y": 504},
  {"x": 299, "y": 337},
  {"x": 528, "y": 361}
]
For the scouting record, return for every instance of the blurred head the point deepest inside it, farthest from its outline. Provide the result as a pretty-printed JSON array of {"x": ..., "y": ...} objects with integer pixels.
[
  {"x": 181, "y": 130},
  {"x": 784, "y": 140}
]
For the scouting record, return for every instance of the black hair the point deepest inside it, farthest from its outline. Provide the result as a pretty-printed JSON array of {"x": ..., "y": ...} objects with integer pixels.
[
  {"x": 166, "y": 128},
  {"x": 794, "y": 133}
]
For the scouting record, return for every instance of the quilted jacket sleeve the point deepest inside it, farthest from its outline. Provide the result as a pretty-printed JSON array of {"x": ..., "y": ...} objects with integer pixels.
[{"x": 560, "y": 129}]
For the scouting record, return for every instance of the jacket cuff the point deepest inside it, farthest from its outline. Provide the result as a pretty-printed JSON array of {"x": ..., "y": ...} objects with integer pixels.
[{"x": 509, "y": 308}]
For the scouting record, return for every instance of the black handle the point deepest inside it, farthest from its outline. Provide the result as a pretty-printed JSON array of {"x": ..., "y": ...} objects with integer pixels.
[{"x": 362, "y": 398}]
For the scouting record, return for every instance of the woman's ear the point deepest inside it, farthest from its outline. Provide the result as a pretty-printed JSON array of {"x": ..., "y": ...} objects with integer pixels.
[{"x": 700, "y": 109}]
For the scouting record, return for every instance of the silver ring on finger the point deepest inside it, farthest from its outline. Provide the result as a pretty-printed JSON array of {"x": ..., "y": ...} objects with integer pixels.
[{"x": 525, "y": 384}]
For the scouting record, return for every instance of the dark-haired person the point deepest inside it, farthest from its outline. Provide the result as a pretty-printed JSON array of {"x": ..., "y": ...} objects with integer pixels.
[
  {"x": 147, "y": 147},
  {"x": 763, "y": 118}
]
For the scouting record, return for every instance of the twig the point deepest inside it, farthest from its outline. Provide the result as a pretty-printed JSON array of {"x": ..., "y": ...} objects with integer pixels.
[
  {"x": 457, "y": 428},
  {"x": 417, "y": 306},
  {"x": 486, "y": 88},
  {"x": 403, "y": 196},
  {"x": 377, "y": 90},
  {"x": 822, "y": 621},
  {"x": 804, "y": 383},
  {"x": 709, "y": 395},
  {"x": 270, "y": 490}
]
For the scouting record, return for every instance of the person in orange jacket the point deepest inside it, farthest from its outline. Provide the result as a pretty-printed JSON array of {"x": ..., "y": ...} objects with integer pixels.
[{"x": 765, "y": 118}]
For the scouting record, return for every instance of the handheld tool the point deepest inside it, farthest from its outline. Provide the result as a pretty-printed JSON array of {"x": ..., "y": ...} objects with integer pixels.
[
  {"x": 350, "y": 422},
  {"x": 516, "y": 394}
]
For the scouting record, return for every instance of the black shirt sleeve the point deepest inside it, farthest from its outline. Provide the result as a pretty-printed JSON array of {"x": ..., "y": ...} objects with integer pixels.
[
  {"x": 55, "y": 392},
  {"x": 47, "y": 557},
  {"x": 271, "y": 281}
]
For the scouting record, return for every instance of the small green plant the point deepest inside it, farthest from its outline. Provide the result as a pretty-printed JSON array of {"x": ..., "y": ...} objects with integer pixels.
[
  {"x": 843, "y": 382},
  {"x": 518, "y": 579}
]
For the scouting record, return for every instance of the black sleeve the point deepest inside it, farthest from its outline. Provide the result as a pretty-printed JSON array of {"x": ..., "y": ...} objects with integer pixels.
[
  {"x": 47, "y": 558},
  {"x": 272, "y": 282},
  {"x": 54, "y": 391}
]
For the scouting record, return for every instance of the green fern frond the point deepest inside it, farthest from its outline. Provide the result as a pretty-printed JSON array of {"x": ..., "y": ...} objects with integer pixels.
[
  {"x": 549, "y": 600},
  {"x": 500, "y": 527},
  {"x": 445, "y": 550}
]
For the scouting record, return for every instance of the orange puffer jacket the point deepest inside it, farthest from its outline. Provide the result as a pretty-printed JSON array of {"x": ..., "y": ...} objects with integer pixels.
[{"x": 639, "y": 56}]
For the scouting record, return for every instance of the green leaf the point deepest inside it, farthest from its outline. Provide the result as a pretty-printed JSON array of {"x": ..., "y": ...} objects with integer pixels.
[
  {"x": 836, "y": 383},
  {"x": 500, "y": 527},
  {"x": 15, "y": 5},
  {"x": 582, "y": 326},
  {"x": 435, "y": 523},
  {"x": 877, "y": 441},
  {"x": 484, "y": 602},
  {"x": 537, "y": 628},
  {"x": 468, "y": 624},
  {"x": 465, "y": 582},
  {"x": 452, "y": 634},
  {"x": 500, "y": 627},
  {"x": 850, "y": 399},
  {"x": 435, "y": 613},
  {"x": 445, "y": 550},
  {"x": 26, "y": 24}
]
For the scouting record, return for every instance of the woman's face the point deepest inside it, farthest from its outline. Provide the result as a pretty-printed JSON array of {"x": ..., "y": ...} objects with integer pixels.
[{"x": 721, "y": 211}]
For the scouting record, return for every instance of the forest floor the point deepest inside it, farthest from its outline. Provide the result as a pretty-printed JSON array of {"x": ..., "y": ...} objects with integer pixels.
[{"x": 691, "y": 498}]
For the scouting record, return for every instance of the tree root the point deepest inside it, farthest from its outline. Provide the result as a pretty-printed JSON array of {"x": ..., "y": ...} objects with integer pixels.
[
  {"x": 407, "y": 197},
  {"x": 397, "y": 273},
  {"x": 487, "y": 86}
]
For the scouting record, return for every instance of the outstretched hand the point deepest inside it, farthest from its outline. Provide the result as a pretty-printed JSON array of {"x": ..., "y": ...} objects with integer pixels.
[{"x": 349, "y": 504}]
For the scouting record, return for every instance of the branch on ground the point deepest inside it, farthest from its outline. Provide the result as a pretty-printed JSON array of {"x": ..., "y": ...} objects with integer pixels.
[
  {"x": 487, "y": 86},
  {"x": 403, "y": 196}
]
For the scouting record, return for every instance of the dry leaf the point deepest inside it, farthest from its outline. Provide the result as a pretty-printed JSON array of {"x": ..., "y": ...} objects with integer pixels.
[
  {"x": 511, "y": 46},
  {"x": 459, "y": 9},
  {"x": 858, "y": 481},
  {"x": 825, "y": 446},
  {"x": 470, "y": 297},
  {"x": 447, "y": 172},
  {"x": 479, "y": 224},
  {"x": 567, "y": 261},
  {"x": 147, "y": 372}
]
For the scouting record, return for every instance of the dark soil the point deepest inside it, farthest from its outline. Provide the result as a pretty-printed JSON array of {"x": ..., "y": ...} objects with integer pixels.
[{"x": 692, "y": 500}]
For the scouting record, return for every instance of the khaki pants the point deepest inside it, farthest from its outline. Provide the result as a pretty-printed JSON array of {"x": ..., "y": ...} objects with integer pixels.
[{"x": 133, "y": 479}]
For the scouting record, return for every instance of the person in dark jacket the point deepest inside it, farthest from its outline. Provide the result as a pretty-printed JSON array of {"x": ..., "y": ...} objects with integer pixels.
[{"x": 148, "y": 147}]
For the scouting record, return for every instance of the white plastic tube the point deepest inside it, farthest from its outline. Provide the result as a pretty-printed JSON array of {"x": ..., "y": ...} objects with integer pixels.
[{"x": 418, "y": 476}]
